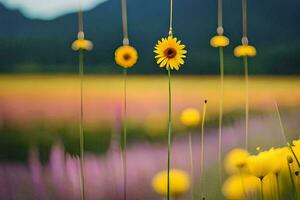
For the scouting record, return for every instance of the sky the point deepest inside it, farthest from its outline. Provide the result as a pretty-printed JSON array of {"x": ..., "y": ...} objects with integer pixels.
[{"x": 49, "y": 9}]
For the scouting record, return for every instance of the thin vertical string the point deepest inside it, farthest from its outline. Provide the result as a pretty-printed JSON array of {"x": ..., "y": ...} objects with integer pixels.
[
  {"x": 171, "y": 18},
  {"x": 169, "y": 136},
  {"x": 244, "y": 18},
  {"x": 191, "y": 164},
  {"x": 245, "y": 59},
  {"x": 81, "y": 134},
  {"x": 280, "y": 123},
  {"x": 221, "y": 53},
  {"x": 80, "y": 19},
  {"x": 125, "y": 137},
  {"x": 220, "y": 13},
  {"x": 125, "y": 22},
  {"x": 202, "y": 181}
]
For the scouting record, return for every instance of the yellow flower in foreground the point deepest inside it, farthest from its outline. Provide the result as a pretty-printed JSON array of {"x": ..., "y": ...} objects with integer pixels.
[
  {"x": 236, "y": 160},
  {"x": 170, "y": 53},
  {"x": 239, "y": 187},
  {"x": 219, "y": 41},
  {"x": 278, "y": 160},
  {"x": 245, "y": 50},
  {"x": 82, "y": 44},
  {"x": 296, "y": 142},
  {"x": 179, "y": 182},
  {"x": 190, "y": 117},
  {"x": 126, "y": 56},
  {"x": 259, "y": 165}
]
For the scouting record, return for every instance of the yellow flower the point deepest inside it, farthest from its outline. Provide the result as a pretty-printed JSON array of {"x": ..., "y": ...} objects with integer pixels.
[
  {"x": 278, "y": 160},
  {"x": 190, "y": 117},
  {"x": 259, "y": 165},
  {"x": 170, "y": 53},
  {"x": 179, "y": 182},
  {"x": 238, "y": 187},
  {"x": 270, "y": 187},
  {"x": 245, "y": 50},
  {"x": 219, "y": 41},
  {"x": 126, "y": 56},
  {"x": 236, "y": 160},
  {"x": 82, "y": 44},
  {"x": 296, "y": 142}
]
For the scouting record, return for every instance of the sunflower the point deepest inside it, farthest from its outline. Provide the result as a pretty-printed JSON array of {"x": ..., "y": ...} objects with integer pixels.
[
  {"x": 126, "y": 56},
  {"x": 170, "y": 53}
]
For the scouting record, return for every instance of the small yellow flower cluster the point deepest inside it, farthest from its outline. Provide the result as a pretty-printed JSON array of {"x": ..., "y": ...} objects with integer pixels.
[
  {"x": 179, "y": 182},
  {"x": 248, "y": 172}
]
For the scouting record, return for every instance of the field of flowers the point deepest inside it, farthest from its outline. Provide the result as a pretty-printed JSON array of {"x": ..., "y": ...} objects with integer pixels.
[{"x": 40, "y": 138}]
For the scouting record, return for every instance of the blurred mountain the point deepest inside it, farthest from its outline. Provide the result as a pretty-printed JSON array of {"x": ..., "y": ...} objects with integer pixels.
[{"x": 44, "y": 46}]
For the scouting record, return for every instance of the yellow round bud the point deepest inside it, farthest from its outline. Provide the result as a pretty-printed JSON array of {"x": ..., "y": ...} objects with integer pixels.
[
  {"x": 245, "y": 50},
  {"x": 179, "y": 182},
  {"x": 82, "y": 44},
  {"x": 190, "y": 117},
  {"x": 219, "y": 41}
]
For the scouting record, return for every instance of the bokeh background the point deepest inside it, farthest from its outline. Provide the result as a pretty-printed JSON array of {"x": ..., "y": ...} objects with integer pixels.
[{"x": 40, "y": 94}]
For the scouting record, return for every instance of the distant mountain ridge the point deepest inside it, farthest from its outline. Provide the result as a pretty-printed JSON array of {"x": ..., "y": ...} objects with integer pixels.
[{"x": 44, "y": 46}]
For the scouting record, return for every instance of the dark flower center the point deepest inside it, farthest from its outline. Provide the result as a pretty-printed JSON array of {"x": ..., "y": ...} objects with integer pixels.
[
  {"x": 126, "y": 56},
  {"x": 170, "y": 53}
]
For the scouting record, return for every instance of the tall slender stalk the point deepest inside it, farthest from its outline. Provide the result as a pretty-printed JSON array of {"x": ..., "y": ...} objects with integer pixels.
[
  {"x": 292, "y": 181},
  {"x": 202, "y": 150},
  {"x": 261, "y": 190},
  {"x": 221, "y": 52},
  {"x": 169, "y": 135},
  {"x": 81, "y": 136},
  {"x": 191, "y": 164},
  {"x": 245, "y": 59},
  {"x": 124, "y": 152},
  {"x": 278, "y": 186},
  {"x": 294, "y": 155}
]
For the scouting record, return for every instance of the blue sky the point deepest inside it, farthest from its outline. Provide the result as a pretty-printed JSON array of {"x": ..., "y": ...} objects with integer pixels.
[{"x": 49, "y": 9}]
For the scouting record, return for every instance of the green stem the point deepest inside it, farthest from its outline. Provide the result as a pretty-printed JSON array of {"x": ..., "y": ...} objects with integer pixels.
[
  {"x": 261, "y": 189},
  {"x": 202, "y": 178},
  {"x": 125, "y": 137},
  {"x": 191, "y": 164},
  {"x": 81, "y": 136},
  {"x": 169, "y": 135},
  {"x": 292, "y": 181},
  {"x": 295, "y": 156},
  {"x": 278, "y": 186},
  {"x": 221, "y": 52},
  {"x": 245, "y": 59}
]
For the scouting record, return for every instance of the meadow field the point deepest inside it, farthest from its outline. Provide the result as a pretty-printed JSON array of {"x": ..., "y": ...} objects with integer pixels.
[{"x": 39, "y": 132}]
